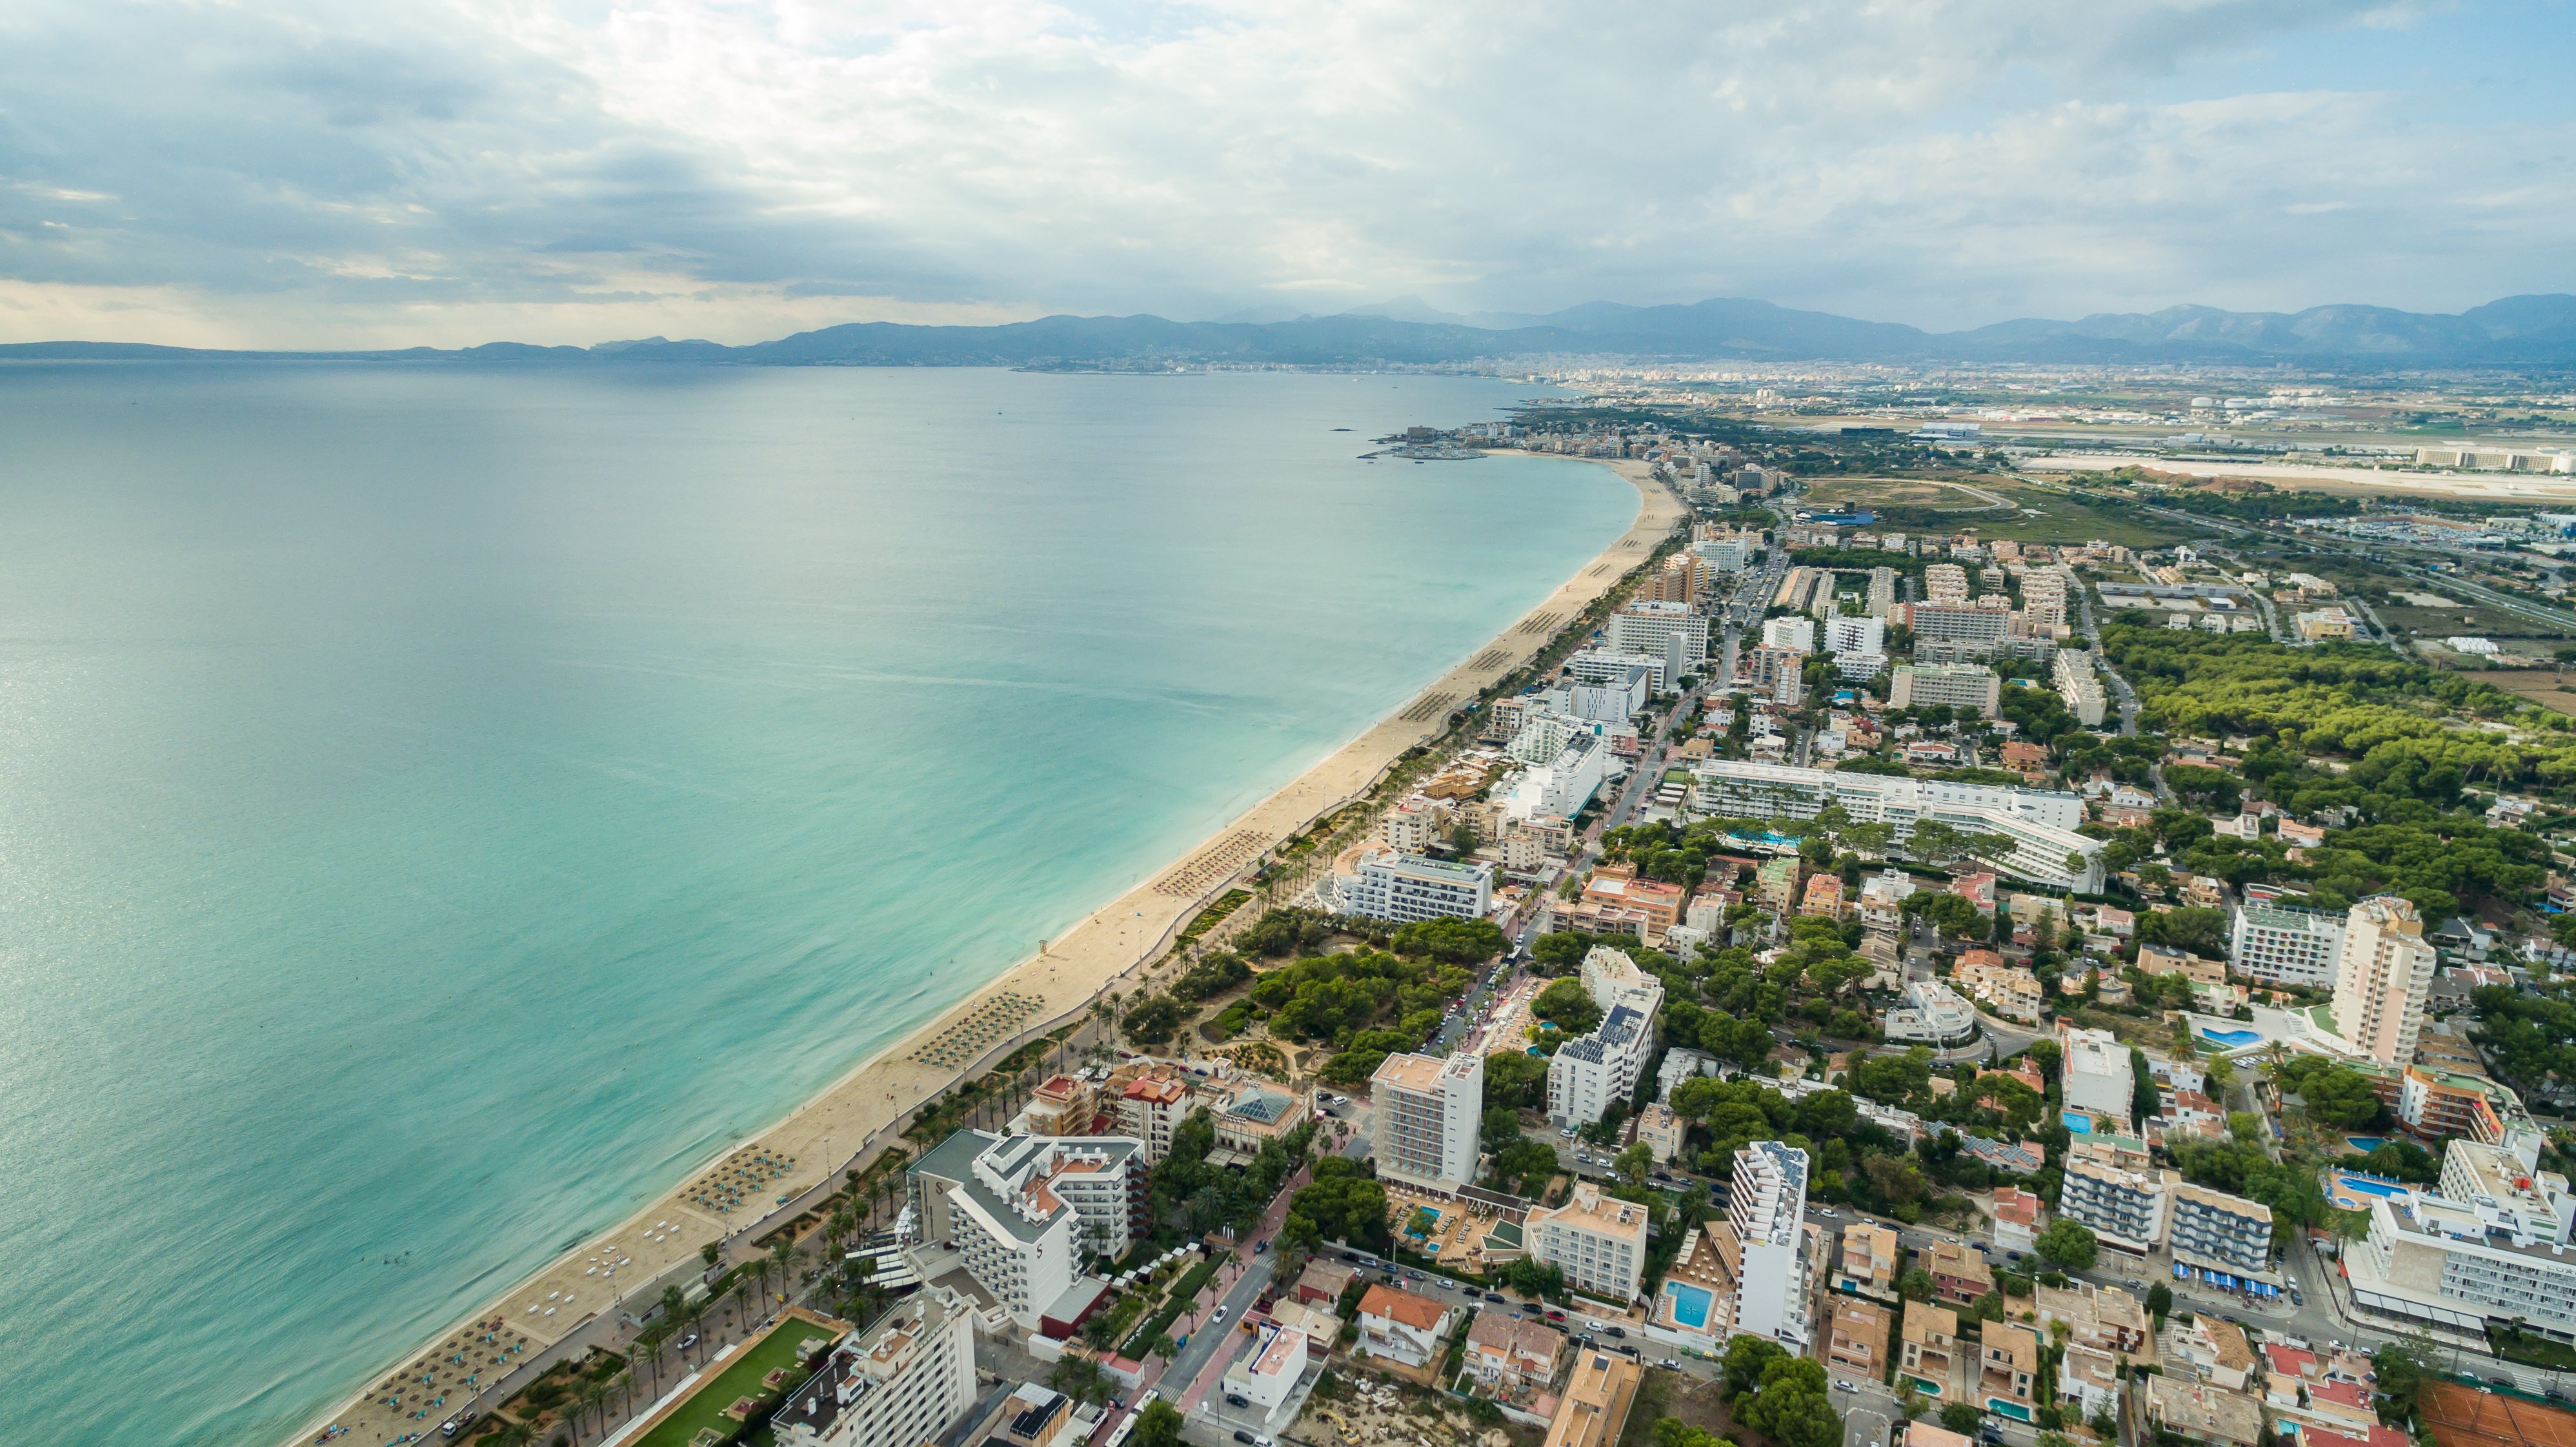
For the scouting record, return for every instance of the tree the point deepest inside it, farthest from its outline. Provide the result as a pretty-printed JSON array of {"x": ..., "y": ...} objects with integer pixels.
[
  {"x": 2159, "y": 1301},
  {"x": 1515, "y": 1078},
  {"x": 1746, "y": 1359},
  {"x": 1542, "y": 1280},
  {"x": 1916, "y": 1285},
  {"x": 1961, "y": 1418},
  {"x": 1500, "y": 1128},
  {"x": 2405, "y": 1368},
  {"x": 1636, "y": 1163},
  {"x": 1157, "y": 1425},
  {"x": 2342, "y": 1097},
  {"x": 1568, "y": 1005},
  {"x": 1151, "y": 1020},
  {"x": 2068, "y": 1245},
  {"x": 1081, "y": 1379}
]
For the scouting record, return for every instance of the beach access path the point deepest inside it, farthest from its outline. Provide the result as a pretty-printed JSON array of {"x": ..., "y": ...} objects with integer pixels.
[{"x": 864, "y": 1111}]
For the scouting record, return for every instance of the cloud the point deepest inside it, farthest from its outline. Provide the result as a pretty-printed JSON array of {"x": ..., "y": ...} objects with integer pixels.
[{"x": 453, "y": 172}]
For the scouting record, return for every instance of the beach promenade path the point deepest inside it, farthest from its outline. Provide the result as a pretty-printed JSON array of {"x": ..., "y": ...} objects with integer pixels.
[{"x": 801, "y": 1158}]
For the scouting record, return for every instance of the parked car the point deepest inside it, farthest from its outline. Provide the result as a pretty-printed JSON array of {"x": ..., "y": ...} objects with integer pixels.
[
  {"x": 1243, "y": 1437},
  {"x": 1493, "y": 1296},
  {"x": 1616, "y": 1330},
  {"x": 1236, "y": 1400}
]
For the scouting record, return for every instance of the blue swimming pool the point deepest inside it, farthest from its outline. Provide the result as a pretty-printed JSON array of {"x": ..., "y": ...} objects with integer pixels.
[
  {"x": 2076, "y": 1121},
  {"x": 2368, "y": 1185},
  {"x": 1690, "y": 1304},
  {"x": 2232, "y": 1039},
  {"x": 2365, "y": 1143}
]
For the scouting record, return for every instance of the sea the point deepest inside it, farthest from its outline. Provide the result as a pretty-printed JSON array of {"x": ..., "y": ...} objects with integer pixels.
[{"x": 442, "y": 805}]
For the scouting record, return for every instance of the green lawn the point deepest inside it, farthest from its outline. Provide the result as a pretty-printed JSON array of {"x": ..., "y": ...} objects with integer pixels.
[{"x": 740, "y": 1378}]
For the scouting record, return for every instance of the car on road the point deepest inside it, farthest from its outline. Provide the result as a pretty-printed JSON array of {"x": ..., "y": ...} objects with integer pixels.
[
  {"x": 686, "y": 1342},
  {"x": 2505, "y": 1382},
  {"x": 1493, "y": 1296},
  {"x": 1842, "y": 1386},
  {"x": 1216, "y": 1316},
  {"x": 1243, "y": 1437}
]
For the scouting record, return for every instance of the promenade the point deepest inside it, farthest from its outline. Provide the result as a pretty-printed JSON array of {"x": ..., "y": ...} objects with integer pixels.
[{"x": 759, "y": 1183}]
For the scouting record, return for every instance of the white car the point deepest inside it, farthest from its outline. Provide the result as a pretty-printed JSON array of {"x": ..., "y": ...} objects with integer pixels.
[{"x": 1216, "y": 1316}]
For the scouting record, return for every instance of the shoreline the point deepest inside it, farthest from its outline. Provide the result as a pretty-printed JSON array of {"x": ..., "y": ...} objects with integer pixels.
[{"x": 863, "y": 1110}]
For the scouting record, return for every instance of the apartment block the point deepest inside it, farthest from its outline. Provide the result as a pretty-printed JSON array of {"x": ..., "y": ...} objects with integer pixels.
[
  {"x": 905, "y": 1380},
  {"x": 1598, "y": 1241},
  {"x": 1426, "y": 1112},
  {"x": 2212, "y": 1231},
  {"x": 1970, "y": 686},
  {"x": 2098, "y": 1077},
  {"x": 1957, "y": 623},
  {"x": 1648, "y": 627},
  {"x": 2285, "y": 946},
  {"x": 2124, "y": 1207},
  {"x": 1766, "y": 1216},
  {"x": 2080, "y": 687}
]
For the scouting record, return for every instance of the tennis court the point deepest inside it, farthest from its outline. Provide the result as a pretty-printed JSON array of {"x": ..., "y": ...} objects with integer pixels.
[{"x": 2466, "y": 1417}]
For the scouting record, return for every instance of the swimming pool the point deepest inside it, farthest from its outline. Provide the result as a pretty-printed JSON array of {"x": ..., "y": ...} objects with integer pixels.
[
  {"x": 2361, "y": 1185},
  {"x": 2076, "y": 1121},
  {"x": 2365, "y": 1143},
  {"x": 2232, "y": 1039},
  {"x": 1425, "y": 1221},
  {"x": 1690, "y": 1304}
]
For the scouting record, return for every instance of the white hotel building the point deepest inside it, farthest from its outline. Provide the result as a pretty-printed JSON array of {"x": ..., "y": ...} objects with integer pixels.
[
  {"x": 1766, "y": 1215},
  {"x": 1408, "y": 887},
  {"x": 906, "y": 1380},
  {"x": 1588, "y": 1073},
  {"x": 1022, "y": 1209},
  {"x": 2285, "y": 946},
  {"x": 2493, "y": 1247},
  {"x": 1651, "y": 627},
  {"x": 1426, "y": 1113},
  {"x": 2040, "y": 823}
]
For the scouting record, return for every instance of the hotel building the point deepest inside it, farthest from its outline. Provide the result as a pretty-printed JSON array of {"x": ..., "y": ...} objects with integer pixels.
[
  {"x": 1407, "y": 888},
  {"x": 2039, "y": 824},
  {"x": 1766, "y": 1243},
  {"x": 2099, "y": 1080},
  {"x": 905, "y": 1381},
  {"x": 1022, "y": 1210},
  {"x": 1651, "y": 627},
  {"x": 2124, "y": 1207},
  {"x": 1958, "y": 685},
  {"x": 1427, "y": 1111},
  {"x": 2285, "y": 946},
  {"x": 1598, "y": 1241}
]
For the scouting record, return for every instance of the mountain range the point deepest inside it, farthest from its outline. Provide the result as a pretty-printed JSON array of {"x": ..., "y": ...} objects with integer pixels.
[{"x": 2517, "y": 330}]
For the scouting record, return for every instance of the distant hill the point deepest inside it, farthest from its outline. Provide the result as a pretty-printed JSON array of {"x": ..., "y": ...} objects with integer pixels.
[{"x": 2516, "y": 330}]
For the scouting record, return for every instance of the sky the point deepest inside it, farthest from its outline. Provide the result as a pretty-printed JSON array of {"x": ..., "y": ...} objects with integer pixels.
[{"x": 448, "y": 172}]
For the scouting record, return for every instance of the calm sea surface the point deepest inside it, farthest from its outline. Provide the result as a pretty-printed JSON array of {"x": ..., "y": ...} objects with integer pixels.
[{"x": 440, "y": 807}]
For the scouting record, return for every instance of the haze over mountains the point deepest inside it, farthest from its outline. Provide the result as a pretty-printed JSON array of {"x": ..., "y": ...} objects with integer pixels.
[{"x": 2517, "y": 330}]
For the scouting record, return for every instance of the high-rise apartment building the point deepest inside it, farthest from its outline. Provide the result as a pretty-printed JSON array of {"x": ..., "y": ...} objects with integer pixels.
[
  {"x": 1959, "y": 622},
  {"x": 1588, "y": 1074},
  {"x": 1644, "y": 627},
  {"x": 1945, "y": 583},
  {"x": 1427, "y": 1114},
  {"x": 1796, "y": 634},
  {"x": 2080, "y": 686},
  {"x": 1766, "y": 1244},
  {"x": 2383, "y": 973},
  {"x": 1882, "y": 591},
  {"x": 1845, "y": 634},
  {"x": 2099, "y": 1079},
  {"x": 2122, "y": 1201}
]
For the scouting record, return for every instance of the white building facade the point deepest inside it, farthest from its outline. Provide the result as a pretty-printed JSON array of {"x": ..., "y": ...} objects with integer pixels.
[
  {"x": 2285, "y": 946},
  {"x": 1409, "y": 887},
  {"x": 2038, "y": 824}
]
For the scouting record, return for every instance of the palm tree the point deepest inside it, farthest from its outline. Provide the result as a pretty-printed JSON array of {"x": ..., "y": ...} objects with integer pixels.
[
  {"x": 517, "y": 1434},
  {"x": 783, "y": 1255}
]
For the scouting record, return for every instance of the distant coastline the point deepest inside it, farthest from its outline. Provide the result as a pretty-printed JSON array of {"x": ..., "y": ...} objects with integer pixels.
[{"x": 871, "y": 1103}]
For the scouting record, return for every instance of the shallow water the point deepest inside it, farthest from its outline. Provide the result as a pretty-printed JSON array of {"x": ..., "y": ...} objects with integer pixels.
[{"x": 439, "y": 806}]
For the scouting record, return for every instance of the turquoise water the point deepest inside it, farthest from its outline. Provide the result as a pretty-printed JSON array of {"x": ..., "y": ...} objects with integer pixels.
[
  {"x": 2361, "y": 1185},
  {"x": 2230, "y": 1039},
  {"x": 439, "y": 807},
  {"x": 1690, "y": 1304},
  {"x": 2076, "y": 1121},
  {"x": 2365, "y": 1143}
]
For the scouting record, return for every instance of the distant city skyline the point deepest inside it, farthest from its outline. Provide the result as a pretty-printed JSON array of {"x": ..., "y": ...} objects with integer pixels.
[{"x": 447, "y": 172}]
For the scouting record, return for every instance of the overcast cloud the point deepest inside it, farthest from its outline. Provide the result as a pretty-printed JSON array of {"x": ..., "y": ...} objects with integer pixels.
[{"x": 451, "y": 171}]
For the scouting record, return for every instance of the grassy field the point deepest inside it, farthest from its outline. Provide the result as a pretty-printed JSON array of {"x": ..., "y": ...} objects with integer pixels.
[
  {"x": 741, "y": 1378},
  {"x": 2540, "y": 685},
  {"x": 2036, "y": 516},
  {"x": 2483, "y": 622}
]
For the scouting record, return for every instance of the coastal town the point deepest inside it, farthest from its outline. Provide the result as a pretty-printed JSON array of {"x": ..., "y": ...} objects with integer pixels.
[{"x": 1857, "y": 980}]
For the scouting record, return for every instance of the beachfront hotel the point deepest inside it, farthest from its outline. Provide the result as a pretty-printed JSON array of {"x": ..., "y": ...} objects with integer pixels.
[
  {"x": 1653, "y": 627},
  {"x": 1020, "y": 1211},
  {"x": 903, "y": 1382},
  {"x": 1598, "y": 1241},
  {"x": 1408, "y": 888},
  {"x": 2383, "y": 975},
  {"x": 2039, "y": 823},
  {"x": 1426, "y": 1113}
]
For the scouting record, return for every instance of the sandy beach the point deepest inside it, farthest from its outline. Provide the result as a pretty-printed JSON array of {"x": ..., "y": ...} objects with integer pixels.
[{"x": 736, "y": 1193}]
